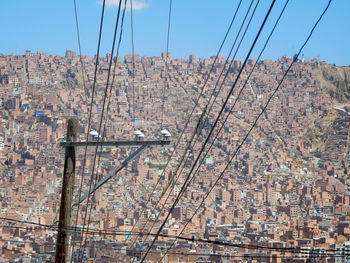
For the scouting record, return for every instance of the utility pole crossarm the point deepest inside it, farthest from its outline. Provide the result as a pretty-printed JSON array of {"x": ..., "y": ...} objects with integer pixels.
[
  {"x": 64, "y": 222},
  {"x": 114, "y": 172},
  {"x": 114, "y": 143}
]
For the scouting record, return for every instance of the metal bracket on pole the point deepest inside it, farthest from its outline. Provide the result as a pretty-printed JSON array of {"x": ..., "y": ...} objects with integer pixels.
[
  {"x": 114, "y": 172},
  {"x": 63, "y": 235},
  {"x": 114, "y": 143},
  {"x": 144, "y": 145}
]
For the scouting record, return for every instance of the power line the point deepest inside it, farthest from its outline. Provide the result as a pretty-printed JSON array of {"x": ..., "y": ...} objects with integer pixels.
[
  {"x": 166, "y": 63},
  {"x": 133, "y": 63},
  {"x": 252, "y": 70},
  {"x": 300, "y": 250},
  {"x": 133, "y": 253},
  {"x": 257, "y": 247},
  {"x": 201, "y": 121},
  {"x": 91, "y": 105},
  {"x": 101, "y": 118},
  {"x": 206, "y": 141},
  {"x": 263, "y": 110},
  {"x": 136, "y": 253},
  {"x": 217, "y": 134},
  {"x": 188, "y": 119},
  {"x": 104, "y": 134},
  {"x": 233, "y": 58},
  {"x": 198, "y": 240},
  {"x": 248, "y": 256},
  {"x": 113, "y": 78},
  {"x": 114, "y": 71},
  {"x": 83, "y": 72}
]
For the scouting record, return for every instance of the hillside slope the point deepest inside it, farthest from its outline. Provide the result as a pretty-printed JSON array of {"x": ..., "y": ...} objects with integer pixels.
[{"x": 330, "y": 134}]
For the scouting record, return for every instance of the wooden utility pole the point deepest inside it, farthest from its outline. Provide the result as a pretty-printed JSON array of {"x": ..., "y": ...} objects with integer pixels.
[{"x": 64, "y": 222}]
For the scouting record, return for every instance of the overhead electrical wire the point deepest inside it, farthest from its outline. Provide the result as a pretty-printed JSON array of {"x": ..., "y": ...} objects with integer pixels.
[
  {"x": 188, "y": 119},
  {"x": 99, "y": 232},
  {"x": 261, "y": 113},
  {"x": 304, "y": 256},
  {"x": 246, "y": 82},
  {"x": 135, "y": 253},
  {"x": 163, "y": 94},
  {"x": 113, "y": 79},
  {"x": 202, "y": 120},
  {"x": 112, "y": 85},
  {"x": 238, "y": 96},
  {"x": 166, "y": 85},
  {"x": 210, "y": 105},
  {"x": 195, "y": 132},
  {"x": 248, "y": 256},
  {"x": 210, "y": 133},
  {"x": 83, "y": 71},
  {"x": 133, "y": 96},
  {"x": 205, "y": 111},
  {"x": 92, "y": 178},
  {"x": 133, "y": 64},
  {"x": 213, "y": 96},
  {"x": 89, "y": 123},
  {"x": 190, "y": 115},
  {"x": 91, "y": 104},
  {"x": 133, "y": 112}
]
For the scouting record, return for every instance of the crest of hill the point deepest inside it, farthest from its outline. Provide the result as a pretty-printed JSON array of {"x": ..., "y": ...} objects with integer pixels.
[
  {"x": 330, "y": 134},
  {"x": 335, "y": 81}
]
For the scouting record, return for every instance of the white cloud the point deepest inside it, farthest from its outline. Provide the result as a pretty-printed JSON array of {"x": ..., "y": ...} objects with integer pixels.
[{"x": 136, "y": 5}]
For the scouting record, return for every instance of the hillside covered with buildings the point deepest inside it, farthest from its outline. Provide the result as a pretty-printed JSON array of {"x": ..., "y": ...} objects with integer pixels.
[{"x": 287, "y": 187}]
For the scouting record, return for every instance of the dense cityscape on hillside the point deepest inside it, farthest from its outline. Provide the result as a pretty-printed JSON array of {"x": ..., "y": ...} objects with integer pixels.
[{"x": 287, "y": 187}]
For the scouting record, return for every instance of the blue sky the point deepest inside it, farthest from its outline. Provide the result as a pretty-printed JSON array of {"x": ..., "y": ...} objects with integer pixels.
[{"x": 197, "y": 27}]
